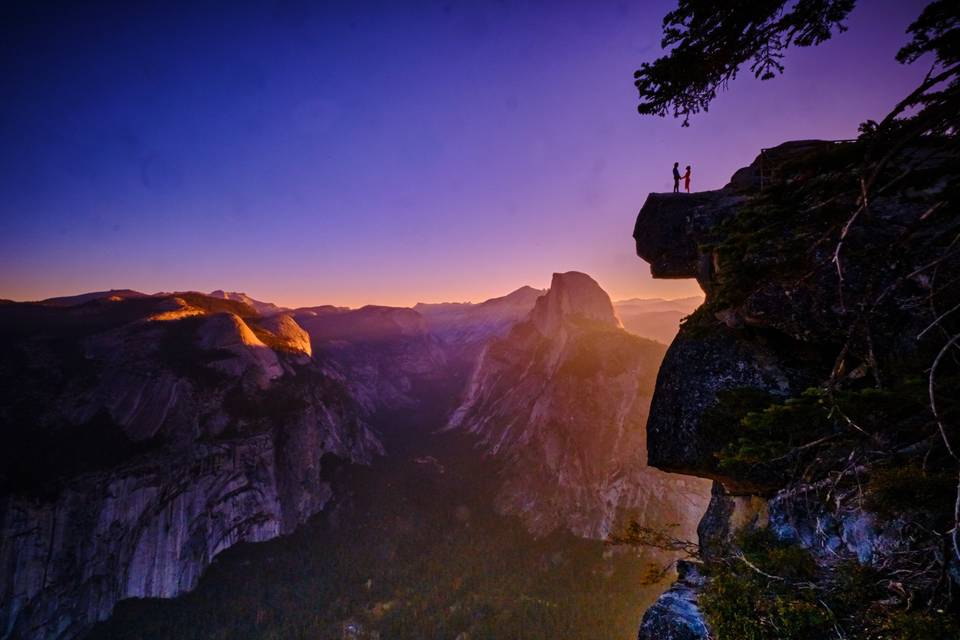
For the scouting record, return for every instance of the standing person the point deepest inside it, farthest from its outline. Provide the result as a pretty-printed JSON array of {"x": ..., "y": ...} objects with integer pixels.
[
  {"x": 686, "y": 179},
  {"x": 676, "y": 177}
]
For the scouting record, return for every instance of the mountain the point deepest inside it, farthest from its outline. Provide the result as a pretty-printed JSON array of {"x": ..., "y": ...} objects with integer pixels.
[
  {"x": 381, "y": 352},
  {"x": 563, "y": 399},
  {"x": 263, "y": 308},
  {"x": 655, "y": 318},
  {"x": 142, "y": 435},
  {"x": 112, "y": 294},
  {"x": 423, "y": 542},
  {"x": 465, "y": 323}
]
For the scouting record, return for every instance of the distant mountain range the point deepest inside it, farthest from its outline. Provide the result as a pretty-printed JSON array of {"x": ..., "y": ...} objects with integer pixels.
[
  {"x": 145, "y": 433},
  {"x": 462, "y": 322},
  {"x": 466, "y": 322}
]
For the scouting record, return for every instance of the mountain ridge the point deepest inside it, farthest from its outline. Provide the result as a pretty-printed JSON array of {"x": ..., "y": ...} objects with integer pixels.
[{"x": 563, "y": 397}]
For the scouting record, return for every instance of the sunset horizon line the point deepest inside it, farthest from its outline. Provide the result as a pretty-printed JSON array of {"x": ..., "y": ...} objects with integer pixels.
[{"x": 288, "y": 303}]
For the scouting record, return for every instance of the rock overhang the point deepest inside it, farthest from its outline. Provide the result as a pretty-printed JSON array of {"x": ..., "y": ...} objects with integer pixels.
[{"x": 671, "y": 228}]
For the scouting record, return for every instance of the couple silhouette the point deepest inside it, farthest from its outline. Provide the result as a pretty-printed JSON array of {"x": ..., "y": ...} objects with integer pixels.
[{"x": 677, "y": 176}]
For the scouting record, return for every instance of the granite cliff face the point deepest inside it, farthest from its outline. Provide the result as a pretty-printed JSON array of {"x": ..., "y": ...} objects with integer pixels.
[
  {"x": 562, "y": 400},
  {"x": 147, "y": 433},
  {"x": 801, "y": 389},
  {"x": 144, "y": 434}
]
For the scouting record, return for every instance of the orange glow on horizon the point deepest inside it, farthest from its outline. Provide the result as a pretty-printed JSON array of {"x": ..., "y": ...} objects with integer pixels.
[{"x": 619, "y": 288}]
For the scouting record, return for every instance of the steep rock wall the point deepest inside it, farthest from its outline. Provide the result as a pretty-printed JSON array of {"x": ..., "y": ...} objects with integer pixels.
[
  {"x": 562, "y": 400},
  {"x": 794, "y": 319},
  {"x": 216, "y": 438}
]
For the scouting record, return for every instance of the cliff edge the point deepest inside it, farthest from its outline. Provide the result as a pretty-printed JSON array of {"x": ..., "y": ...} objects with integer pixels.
[{"x": 812, "y": 387}]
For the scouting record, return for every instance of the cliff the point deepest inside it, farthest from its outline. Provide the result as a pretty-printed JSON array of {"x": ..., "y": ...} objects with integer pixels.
[
  {"x": 562, "y": 399},
  {"x": 145, "y": 434},
  {"x": 813, "y": 387}
]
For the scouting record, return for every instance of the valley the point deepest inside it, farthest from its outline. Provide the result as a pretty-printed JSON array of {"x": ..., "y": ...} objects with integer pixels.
[
  {"x": 411, "y": 547},
  {"x": 197, "y": 465}
]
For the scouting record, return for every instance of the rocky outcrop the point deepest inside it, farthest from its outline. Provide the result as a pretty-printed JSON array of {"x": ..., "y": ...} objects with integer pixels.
[
  {"x": 190, "y": 434},
  {"x": 562, "y": 400},
  {"x": 791, "y": 308},
  {"x": 676, "y": 615},
  {"x": 281, "y": 332},
  {"x": 672, "y": 227},
  {"x": 698, "y": 366}
]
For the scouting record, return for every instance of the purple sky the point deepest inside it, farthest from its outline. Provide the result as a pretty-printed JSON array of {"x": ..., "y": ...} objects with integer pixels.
[{"x": 359, "y": 152}]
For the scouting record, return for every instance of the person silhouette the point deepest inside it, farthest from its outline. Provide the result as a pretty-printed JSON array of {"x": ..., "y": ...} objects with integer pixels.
[
  {"x": 676, "y": 177},
  {"x": 686, "y": 179}
]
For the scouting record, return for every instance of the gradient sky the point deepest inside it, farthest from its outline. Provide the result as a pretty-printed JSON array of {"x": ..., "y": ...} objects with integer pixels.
[{"x": 357, "y": 152}]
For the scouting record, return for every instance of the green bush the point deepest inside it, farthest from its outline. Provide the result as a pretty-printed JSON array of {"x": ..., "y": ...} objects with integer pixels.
[
  {"x": 766, "y": 440},
  {"x": 759, "y": 442},
  {"x": 742, "y": 606},
  {"x": 777, "y": 557}
]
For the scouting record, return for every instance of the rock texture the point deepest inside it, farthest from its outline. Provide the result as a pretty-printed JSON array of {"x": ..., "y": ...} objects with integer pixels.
[
  {"x": 263, "y": 308},
  {"x": 562, "y": 399},
  {"x": 672, "y": 227},
  {"x": 675, "y": 615},
  {"x": 779, "y": 325},
  {"x": 145, "y": 434},
  {"x": 697, "y": 366}
]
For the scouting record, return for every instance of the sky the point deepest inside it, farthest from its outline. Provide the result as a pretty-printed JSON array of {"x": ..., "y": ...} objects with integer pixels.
[{"x": 356, "y": 152}]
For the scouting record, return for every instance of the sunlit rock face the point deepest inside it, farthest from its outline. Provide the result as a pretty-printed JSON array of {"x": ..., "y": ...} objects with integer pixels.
[
  {"x": 262, "y": 308},
  {"x": 574, "y": 297},
  {"x": 281, "y": 332},
  {"x": 143, "y": 436},
  {"x": 562, "y": 399},
  {"x": 228, "y": 333}
]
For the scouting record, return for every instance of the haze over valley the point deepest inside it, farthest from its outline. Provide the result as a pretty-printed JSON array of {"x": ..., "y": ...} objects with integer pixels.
[
  {"x": 487, "y": 320},
  {"x": 446, "y": 470}
]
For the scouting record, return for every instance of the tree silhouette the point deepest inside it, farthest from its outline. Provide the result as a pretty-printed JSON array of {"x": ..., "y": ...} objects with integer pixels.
[{"x": 709, "y": 43}]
